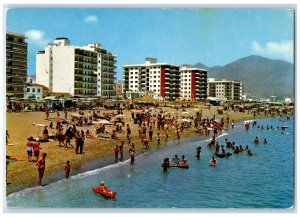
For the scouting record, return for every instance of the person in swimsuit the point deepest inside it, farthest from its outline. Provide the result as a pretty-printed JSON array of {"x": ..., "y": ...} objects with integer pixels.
[
  {"x": 198, "y": 153},
  {"x": 213, "y": 161},
  {"x": 36, "y": 150},
  {"x": 176, "y": 159},
  {"x": 103, "y": 187},
  {"x": 121, "y": 150},
  {"x": 41, "y": 163},
  {"x": 67, "y": 169},
  {"x": 117, "y": 150},
  {"x": 256, "y": 141}
]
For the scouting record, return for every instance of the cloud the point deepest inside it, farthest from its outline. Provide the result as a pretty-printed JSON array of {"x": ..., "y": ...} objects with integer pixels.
[
  {"x": 91, "y": 19},
  {"x": 37, "y": 38},
  {"x": 276, "y": 50}
]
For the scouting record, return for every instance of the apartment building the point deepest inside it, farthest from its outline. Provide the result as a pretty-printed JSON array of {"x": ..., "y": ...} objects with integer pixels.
[
  {"x": 79, "y": 71},
  {"x": 229, "y": 89},
  {"x": 119, "y": 87},
  {"x": 193, "y": 83},
  {"x": 161, "y": 78},
  {"x": 16, "y": 64}
]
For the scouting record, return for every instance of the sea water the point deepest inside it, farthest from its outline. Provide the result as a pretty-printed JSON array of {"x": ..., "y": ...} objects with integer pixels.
[{"x": 265, "y": 180}]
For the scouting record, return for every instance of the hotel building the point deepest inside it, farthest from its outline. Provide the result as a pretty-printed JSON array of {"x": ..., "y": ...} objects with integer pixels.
[
  {"x": 119, "y": 87},
  {"x": 193, "y": 83},
  {"x": 16, "y": 64},
  {"x": 161, "y": 78},
  {"x": 229, "y": 89},
  {"x": 79, "y": 71}
]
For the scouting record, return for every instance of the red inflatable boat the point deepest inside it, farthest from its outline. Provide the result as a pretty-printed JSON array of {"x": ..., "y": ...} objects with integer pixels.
[{"x": 105, "y": 193}]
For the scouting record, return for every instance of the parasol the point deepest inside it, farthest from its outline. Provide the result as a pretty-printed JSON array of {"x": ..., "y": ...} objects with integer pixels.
[
  {"x": 102, "y": 121},
  {"x": 39, "y": 126},
  {"x": 76, "y": 115}
]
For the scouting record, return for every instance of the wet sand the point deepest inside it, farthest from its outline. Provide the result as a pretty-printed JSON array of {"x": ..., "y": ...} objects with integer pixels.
[{"x": 98, "y": 152}]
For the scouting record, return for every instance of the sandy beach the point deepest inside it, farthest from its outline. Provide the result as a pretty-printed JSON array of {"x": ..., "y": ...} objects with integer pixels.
[{"x": 23, "y": 174}]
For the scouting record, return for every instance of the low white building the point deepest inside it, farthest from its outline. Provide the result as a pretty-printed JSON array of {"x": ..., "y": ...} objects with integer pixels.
[{"x": 34, "y": 91}]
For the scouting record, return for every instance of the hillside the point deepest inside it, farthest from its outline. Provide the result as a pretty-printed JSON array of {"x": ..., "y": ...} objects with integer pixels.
[{"x": 261, "y": 77}]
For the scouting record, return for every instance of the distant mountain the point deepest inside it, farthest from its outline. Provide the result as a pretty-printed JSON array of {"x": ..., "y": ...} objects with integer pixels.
[{"x": 261, "y": 77}]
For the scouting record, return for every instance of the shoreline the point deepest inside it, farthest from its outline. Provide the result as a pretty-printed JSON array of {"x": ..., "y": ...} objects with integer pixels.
[
  {"x": 105, "y": 161},
  {"x": 98, "y": 163},
  {"x": 98, "y": 153}
]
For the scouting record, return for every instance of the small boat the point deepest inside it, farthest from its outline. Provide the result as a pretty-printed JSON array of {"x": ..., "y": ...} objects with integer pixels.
[
  {"x": 284, "y": 127},
  {"x": 107, "y": 193},
  {"x": 180, "y": 165}
]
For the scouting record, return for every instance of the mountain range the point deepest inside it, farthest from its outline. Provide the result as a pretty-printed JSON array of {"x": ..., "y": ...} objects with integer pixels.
[{"x": 261, "y": 77}]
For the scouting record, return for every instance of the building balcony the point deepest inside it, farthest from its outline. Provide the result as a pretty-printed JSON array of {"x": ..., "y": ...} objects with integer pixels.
[{"x": 16, "y": 51}]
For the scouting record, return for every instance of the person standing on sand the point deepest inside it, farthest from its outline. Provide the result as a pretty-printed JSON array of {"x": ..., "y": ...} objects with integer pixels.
[
  {"x": 150, "y": 133},
  {"x": 81, "y": 143},
  {"x": 36, "y": 150},
  {"x": 7, "y": 163},
  {"x": 47, "y": 113},
  {"x": 232, "y": 124},
  {"x": 117, "y": 150},
  {"x": 77, "y": 141},
  {"x": 121, "y": 150},
  {"x": 158, "y": 140},
  {"x": 7, "y": 137},
  {"x": 41, "y": 163},
  {"x": 131, "y": 154},
  {"x": 67, "y": 169},
  {"x": 128, "y": 130},
  {"x": 66, "y": 114}
]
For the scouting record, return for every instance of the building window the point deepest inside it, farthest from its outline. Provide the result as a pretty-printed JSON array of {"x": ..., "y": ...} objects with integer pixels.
[
  {"x": 28, "y": 90},
  {"x": 33, "y": 90},
  {"x": 38, "y": 90}
]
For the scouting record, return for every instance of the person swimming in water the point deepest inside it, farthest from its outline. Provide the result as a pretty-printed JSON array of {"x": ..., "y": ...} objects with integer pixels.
[
  {"x": 166, "y": 164},
  {"x": 176, "y": 159},
  {"x": 256, "y": 141},
  {"x": 213, "y": 161},
  {"x": 265, "y": 141},
  {"x": 183, "y": 160},
  {"x": 198, "y": 153}
]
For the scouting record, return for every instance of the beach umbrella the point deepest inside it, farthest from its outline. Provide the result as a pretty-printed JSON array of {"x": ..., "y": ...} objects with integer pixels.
[
  {"x": 97, "y": 109},
  {"x": 186, "y": 120},
  {"x": 102, "y": 121},
  {"x": 76, "y": 115},
  {"x": 39, "y": 126},
  {"x": 119, "y": 116}
]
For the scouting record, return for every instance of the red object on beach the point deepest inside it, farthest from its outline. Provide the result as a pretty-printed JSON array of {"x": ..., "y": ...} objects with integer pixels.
[
  {"x": 186, "y": 166},
  {"x": 58, "y": 120},
  {"x": 107, "y": 194}
]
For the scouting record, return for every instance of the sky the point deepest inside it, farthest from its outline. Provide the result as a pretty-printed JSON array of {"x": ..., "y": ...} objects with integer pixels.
[{"x": 210, "y": 36}]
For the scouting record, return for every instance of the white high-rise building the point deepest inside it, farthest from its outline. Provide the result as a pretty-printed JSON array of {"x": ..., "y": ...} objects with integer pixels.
[
  {"x": 79, "y": 71},
  {"x": 193, "y": 83},
  {"x": 16, "y": 64},
  {"x": 162, "y": 79},
  {"x": 229, "y": 89}
]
